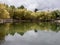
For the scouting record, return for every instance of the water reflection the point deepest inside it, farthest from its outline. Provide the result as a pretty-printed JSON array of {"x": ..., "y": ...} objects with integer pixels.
[
  {"x": 33, "y": 38},
  {"x": 43, "y": 33},
  {"x": 3, "y": 30}
]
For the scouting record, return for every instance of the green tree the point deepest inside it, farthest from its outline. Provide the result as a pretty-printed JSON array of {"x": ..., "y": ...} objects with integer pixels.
[
  {"x": 21, "y": 7},
  {"x": 11, "y": 10},
  {"x": 12, "y": 6},
  {"x": 19, "y": 13},
  {"x": 35, "y": 10}
]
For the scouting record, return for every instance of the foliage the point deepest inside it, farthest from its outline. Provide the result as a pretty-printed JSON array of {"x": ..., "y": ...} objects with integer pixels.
[
  {"x": 21, "y": 7},
  {"x": 23, "y": 14},
  {"x": 4, "y": 14},
  {"x": 35, "y": 10}
]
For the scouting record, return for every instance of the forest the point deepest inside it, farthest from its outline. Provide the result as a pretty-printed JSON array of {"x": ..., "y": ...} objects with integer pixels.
[{"x": 21, "y": 13}]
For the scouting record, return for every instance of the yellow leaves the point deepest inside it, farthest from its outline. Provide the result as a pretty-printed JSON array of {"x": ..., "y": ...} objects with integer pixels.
[
  {"x": 19, "y": 12},
  {"x": 2, "y": 6},
  {"x": 33, "y": 14},
  {"x": 4, "y": 14},
  {"x": 27, "y": 14}
]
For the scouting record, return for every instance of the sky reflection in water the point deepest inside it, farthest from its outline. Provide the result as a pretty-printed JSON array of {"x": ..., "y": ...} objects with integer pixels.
[
  {"x": 43, "y": 33},
  {"x": 33, "y": 38}
]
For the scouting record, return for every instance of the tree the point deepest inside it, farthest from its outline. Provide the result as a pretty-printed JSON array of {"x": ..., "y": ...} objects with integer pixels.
[
  {"x": 11, "y": 10},
  {"x": 27, "y": 14},
  {"x": 12, "y": 6},
  {"x": 19, "y": 13},
  {"x": 35, "y": 10},
  {"x": 4, "y": 14},
  {"x": 21, "y": 7}
]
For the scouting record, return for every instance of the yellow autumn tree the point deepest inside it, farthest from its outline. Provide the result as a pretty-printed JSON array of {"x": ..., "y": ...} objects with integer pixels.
[{"x": 3, "y": 12}]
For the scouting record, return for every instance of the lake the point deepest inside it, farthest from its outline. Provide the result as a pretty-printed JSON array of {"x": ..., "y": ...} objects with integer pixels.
[{"x": 30, "y": 33}]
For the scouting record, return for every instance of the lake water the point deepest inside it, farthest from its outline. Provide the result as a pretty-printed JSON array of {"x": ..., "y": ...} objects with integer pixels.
[{"x": 29, "y": 33}]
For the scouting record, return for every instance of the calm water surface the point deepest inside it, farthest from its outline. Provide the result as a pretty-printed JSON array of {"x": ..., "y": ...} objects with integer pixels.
[{"x": 42, "y": 33}]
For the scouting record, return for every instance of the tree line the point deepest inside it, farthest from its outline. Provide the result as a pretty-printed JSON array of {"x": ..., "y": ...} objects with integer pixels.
[{"x": 21, "y": 13}]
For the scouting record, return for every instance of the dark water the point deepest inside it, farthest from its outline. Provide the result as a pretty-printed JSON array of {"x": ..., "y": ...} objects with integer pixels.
[{"x": 42, "y": 33}]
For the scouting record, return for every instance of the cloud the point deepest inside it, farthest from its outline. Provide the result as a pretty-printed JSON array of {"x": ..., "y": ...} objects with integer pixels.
[{"x": 32, "y": 4}]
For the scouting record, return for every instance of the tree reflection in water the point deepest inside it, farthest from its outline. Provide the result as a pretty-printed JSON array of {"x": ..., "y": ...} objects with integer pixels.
[
  {"x": 21, "y": 28},
  {"x": 33, "y": 38}
]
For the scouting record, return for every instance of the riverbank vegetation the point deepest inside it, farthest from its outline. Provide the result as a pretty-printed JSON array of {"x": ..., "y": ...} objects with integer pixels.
[{"x": 21, "y": 13}]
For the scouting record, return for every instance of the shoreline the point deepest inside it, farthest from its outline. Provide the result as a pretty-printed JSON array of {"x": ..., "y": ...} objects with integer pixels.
[{"x": 14, "y": 20}]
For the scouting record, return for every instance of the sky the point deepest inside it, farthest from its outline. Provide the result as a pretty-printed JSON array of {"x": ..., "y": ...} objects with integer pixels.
[{"x": 32, "y": 4}]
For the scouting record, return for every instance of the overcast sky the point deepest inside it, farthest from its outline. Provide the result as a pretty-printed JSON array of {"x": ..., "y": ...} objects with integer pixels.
[{"x": 32, "y": 4}]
